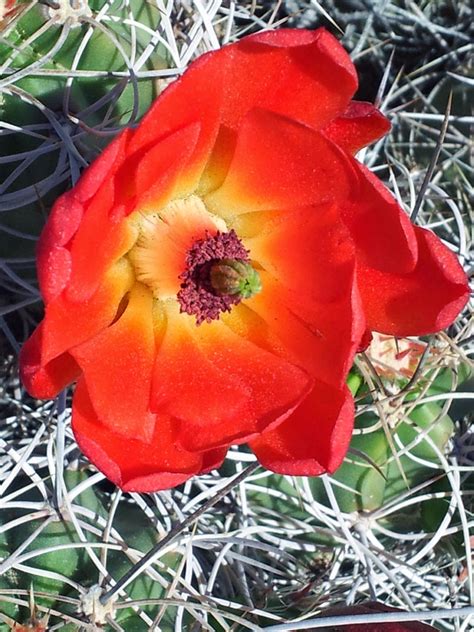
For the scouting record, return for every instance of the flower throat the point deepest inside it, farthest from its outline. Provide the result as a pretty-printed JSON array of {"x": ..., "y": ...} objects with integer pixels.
[{"x": 218, "y": 275}]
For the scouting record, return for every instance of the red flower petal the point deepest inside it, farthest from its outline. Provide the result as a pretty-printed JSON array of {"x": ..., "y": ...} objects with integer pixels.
[
  {"x": 309, "y": 250},
  {"x": 132, "y": 464},
  {"x": 280, "y": 164},
  {"x": 314, "y": 439},
  {"x": 67, "y": 324},
  {"x": 194, "y": 98},
  {"x": 421, "y": 302},
  {"x": 212, "y": 459},
  {"x": 262, "y": 131},
  {"x": 123, "y": 354},
  {"x": 160, "y": 174},
  {"x": 382, "y": 232},
  {"x": 222, "y": 87},
  {"x": 103, "y": 168},
  {"x": 54, "y": 265},
  {"x": 321, "y": 337},
  {"x": 54, "y": 261},
  {"x": 99, "y": 242},
  {"x": 63, "y": 221},
  {"x": 221, "y": 387},
  {"x": 45, "y": 366},
  {"x": 358, "y": 126},
  {"x": 305, "y": 75},
  {"x": 45, "y": 382}
]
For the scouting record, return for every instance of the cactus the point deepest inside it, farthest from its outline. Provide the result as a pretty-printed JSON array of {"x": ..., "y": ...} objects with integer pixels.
[
  {"x": 383, "y": 463},
  {"x": 55, "y": 572},
  {"x": 70, "y": 79},
  {"x": 266, "y": 547},
  {"x": 372, "y": 475}
]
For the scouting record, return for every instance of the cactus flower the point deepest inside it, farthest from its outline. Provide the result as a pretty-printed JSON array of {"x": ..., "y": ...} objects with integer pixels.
[{"x": 211, "y": 276}]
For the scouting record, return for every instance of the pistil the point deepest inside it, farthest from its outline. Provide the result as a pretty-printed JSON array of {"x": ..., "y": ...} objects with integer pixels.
[
  {"x": 231, "y": 277},
  {"x": 218, "y": 276}
]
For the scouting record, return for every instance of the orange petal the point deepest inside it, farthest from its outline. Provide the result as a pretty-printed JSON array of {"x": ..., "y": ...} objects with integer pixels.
[
  {"x": 67, "y": 324},
  {"x": 45, "y": 381},
  {"x": 420, "y": 302},
  {"x": 99, "y": 242},
  {"x": 314, "y": 439},
  {"x": 360, "y": 125},
  {"x": 164, "y": 171},
  {"x": 381, "y": 230},
  {"x": 221, "y": 387},
  {"x": 308, "y": 250},
  {"x": 305, "y": 75},
  {"x": 280, "y": 164},
  {"x": 132, "y": 464},
  {"x": 321, "y": 337},
  {"x": 123, "y": 354}
]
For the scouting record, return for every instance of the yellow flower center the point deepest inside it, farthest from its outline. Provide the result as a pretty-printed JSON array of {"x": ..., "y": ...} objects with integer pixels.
[
  {"x": 187, "y": 255},
  {"x": 165, "y": 237}
]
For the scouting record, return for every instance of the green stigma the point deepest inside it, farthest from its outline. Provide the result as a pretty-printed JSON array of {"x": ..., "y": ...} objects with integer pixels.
[{"x": 234, "y": 277}]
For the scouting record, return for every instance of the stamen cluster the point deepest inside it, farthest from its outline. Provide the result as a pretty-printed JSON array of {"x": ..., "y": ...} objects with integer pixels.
[{"x": 197, "y": 297}]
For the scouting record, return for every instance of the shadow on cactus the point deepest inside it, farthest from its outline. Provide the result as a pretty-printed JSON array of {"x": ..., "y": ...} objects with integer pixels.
[{"x": 70, "y": 79}]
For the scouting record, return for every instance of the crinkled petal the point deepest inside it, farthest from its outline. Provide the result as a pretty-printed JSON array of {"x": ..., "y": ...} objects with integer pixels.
[
  {"x": 122, "y": 357},
  {"x": 280, "y": 164},
  {"x": 381, "y": 230},
  {"x": 361, "y": 124},
  {"x": 421, "y": 302},
  {"x": 221, "y": 387},
  {"x": 132, "y": 464},
  {"x": 45, "y": 381},
  {"x": 67, "y": 323},
  {"x": 314, "y": 438}
]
